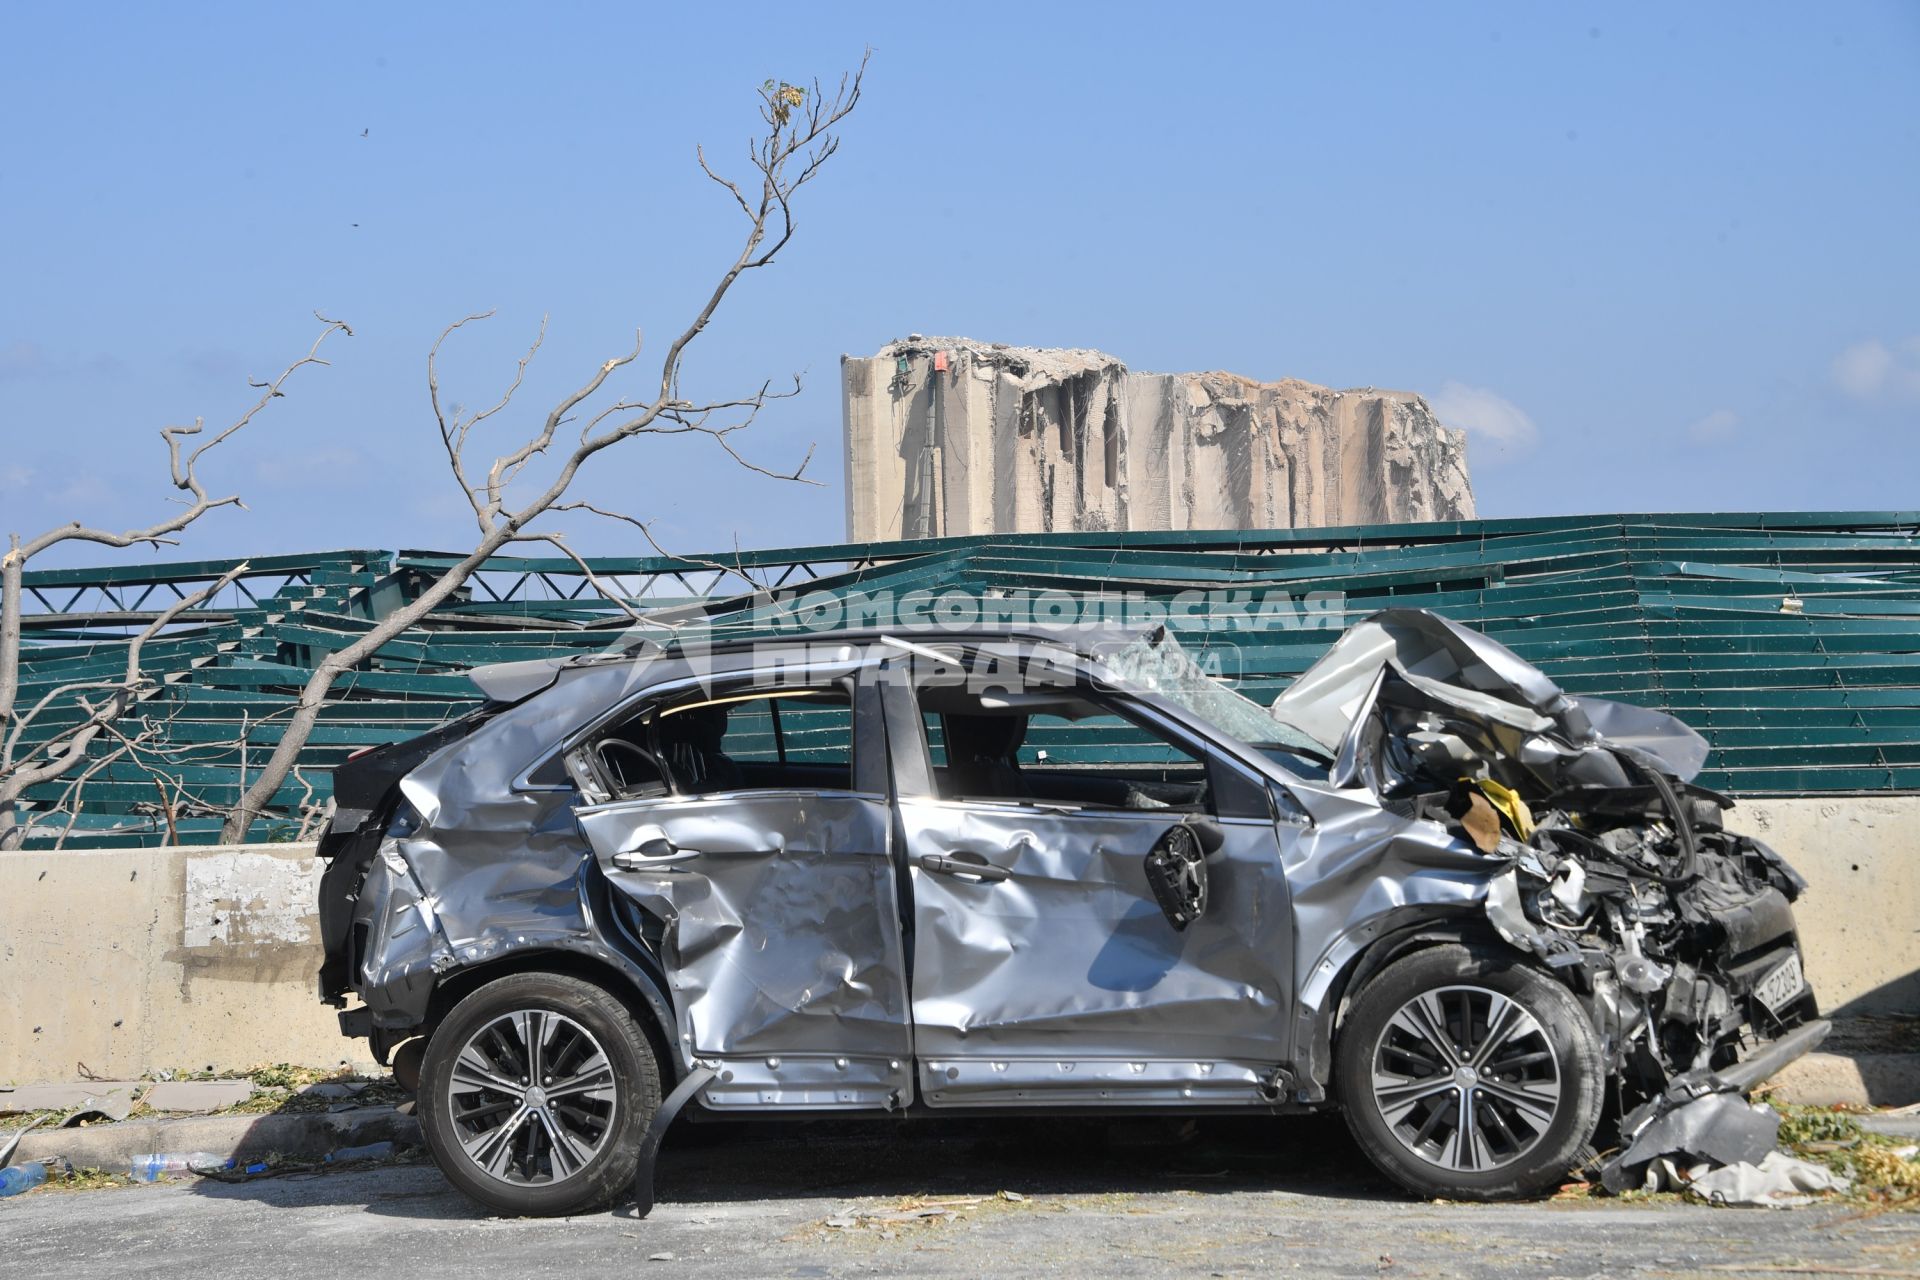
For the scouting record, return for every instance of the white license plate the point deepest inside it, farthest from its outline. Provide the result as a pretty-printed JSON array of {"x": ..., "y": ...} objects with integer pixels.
[{"x": 1782, "y": 983}]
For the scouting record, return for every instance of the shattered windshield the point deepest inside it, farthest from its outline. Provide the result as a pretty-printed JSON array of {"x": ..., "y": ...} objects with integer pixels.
[{"x": 1156, "y": 663}]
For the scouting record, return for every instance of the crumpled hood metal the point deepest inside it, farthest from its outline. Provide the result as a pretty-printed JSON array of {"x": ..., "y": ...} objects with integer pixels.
[{"x": 1473, "y": 674}]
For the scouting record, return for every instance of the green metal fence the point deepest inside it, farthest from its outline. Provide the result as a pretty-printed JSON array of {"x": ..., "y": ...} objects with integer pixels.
[{"x": 1792, "y": 640}]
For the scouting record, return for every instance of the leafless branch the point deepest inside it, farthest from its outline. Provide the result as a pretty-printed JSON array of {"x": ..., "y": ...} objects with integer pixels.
[
  {"x": 797, "y": 141},
  {"x": 312, "y": 814},
  {"x": 646, "y": 531},
  {"x": 70, "y": 802},
  {"x": 68, "y": 748},
  {"x": 187, "y": 447},
  {"x": 559, "y": 543},
  {"x": 184, "y": 467}
]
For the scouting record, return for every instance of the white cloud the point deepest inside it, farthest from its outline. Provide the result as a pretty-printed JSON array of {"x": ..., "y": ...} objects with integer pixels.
[
  {"x": 1716, "y": 427},
  {"x": 1487, "y": 417},
  {"x": 1878, "y": 373},
  {"x": 15, "y": 478}
]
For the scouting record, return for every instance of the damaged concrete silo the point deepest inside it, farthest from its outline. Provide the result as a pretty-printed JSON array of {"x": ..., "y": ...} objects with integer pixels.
[{"x": 948, "y": 436}]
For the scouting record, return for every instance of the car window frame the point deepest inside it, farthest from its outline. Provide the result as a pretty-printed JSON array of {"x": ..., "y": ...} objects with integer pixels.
[
  {"x": 1234, "y": 790},
  {"x": 750, "y": 695},
  {"x": 714, "y": 685}
]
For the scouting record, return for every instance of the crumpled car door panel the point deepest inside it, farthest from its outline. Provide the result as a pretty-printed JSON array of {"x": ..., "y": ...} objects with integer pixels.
[
  {"x": 1064, "y": 984},
  {"x": 779, "y": 936}
]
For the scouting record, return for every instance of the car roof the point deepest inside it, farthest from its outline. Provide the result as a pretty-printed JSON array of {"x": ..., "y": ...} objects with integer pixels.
[{"x": 514, "y": 681}]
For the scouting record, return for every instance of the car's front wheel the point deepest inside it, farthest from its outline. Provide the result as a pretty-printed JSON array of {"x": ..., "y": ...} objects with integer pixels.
[
  {"x": 1470, "y": 1075},
  {"x": 535, "y": 1093}
]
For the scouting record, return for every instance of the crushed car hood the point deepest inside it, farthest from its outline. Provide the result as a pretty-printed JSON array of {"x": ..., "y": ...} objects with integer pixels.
[{"x": 1538, "y": 724}]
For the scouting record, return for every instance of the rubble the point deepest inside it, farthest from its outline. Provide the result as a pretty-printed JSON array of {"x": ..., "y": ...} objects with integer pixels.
[{"x": 949, "y": 436}]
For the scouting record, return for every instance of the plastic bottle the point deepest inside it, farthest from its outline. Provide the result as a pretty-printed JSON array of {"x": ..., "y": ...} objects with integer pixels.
[
  {"x": 17, "y": 1178},
  {"x": 152, "y": 1168}
]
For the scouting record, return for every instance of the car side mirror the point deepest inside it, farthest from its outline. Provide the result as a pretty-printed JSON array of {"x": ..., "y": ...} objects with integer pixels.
[{"x": 1177, "y": 869}]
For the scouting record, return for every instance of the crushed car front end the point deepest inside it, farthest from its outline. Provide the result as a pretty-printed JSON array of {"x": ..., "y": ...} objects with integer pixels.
[{"x": 1606, "y": 865}]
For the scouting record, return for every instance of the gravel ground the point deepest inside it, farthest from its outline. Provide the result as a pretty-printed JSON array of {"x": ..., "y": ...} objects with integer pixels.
[{"x": 1249, "y": 1197}]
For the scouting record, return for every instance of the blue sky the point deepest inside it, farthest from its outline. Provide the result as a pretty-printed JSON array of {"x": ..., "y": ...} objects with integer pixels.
[{"x": 1654, "y": 257}]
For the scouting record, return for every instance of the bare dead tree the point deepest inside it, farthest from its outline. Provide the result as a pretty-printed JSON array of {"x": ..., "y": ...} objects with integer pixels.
[
  {"x": 798, "y": 138},
  {"x": 104, "y": 702}
]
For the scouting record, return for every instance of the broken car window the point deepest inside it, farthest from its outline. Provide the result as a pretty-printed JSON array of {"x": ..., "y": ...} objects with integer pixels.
[
  {"x": 1056, "y": 748},
  {"x": 1156, "y": 663},
  {"x": 799, "y": 738}
]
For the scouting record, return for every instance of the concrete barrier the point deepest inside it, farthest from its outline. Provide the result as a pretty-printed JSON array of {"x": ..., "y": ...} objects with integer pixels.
[
  {"x": 122, "y": 962},
  {"x": 1860, "y": 917}
]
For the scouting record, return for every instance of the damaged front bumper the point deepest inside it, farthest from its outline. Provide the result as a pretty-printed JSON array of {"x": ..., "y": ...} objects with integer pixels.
[{"x": 1703, "y": 1115}]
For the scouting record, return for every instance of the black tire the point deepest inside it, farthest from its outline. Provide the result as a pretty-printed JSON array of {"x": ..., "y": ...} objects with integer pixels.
[
  {"x": 574, "y": 1152},
  {"x": 1403, "y": 1095}
]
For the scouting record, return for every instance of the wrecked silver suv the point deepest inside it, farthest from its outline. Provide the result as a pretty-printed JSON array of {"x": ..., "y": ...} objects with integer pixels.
[{"x": 988, "y": 872}]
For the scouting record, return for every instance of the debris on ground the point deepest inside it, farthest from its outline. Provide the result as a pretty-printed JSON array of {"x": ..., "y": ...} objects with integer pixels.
[
  {"x": 915, "y": 1212},
  {"x": 21, "y": 1178},
  {"x": 157, "y": 1165},
  {"x": 1818, "y": 1153},
  {"x": 111, "y": 1098},
  {"x": 277, "y": 1165},
  {"x": 276, "y": 1088},
  {"x": 1778, "y": 1180}
]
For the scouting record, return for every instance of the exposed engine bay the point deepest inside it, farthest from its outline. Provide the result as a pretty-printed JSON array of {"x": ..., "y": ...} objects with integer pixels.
[{"x": 1623, "y": 879}]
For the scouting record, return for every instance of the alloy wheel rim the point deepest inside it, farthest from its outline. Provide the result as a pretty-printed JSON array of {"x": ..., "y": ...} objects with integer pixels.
[
  {"x": 531, "y": 1099},
  {"x": 1465, "y": 1078}
]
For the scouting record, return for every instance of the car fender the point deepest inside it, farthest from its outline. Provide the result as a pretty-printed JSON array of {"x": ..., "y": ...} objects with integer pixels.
[{"x": 1346, "y": 967}]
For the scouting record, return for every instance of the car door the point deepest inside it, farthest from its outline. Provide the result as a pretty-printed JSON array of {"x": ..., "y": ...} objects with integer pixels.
[
  {"x": 1044, "y": 970},
  {"x": 762, "y": 863}
]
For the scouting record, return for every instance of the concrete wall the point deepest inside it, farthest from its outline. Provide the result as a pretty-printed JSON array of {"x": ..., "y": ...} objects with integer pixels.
[
  {"x": 1860, "y": 917},
  {"x": 128, "y": 961},
  {"x": 131, "y": 960}
]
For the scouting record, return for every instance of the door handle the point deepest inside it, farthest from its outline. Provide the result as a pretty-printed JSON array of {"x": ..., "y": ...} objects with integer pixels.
[
  {"x": 651, "y": 852},
  {"x": 970, "y": 865}
]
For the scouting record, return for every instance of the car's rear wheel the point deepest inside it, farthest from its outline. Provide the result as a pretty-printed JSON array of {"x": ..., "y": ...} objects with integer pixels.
[
  {"x": 1470, "y": 1075},
  {"x": 536, "y": 1091}
]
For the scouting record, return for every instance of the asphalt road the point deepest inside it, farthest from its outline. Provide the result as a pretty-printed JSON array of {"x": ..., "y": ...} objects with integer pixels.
[{"x": 1241, "y": 1198}]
